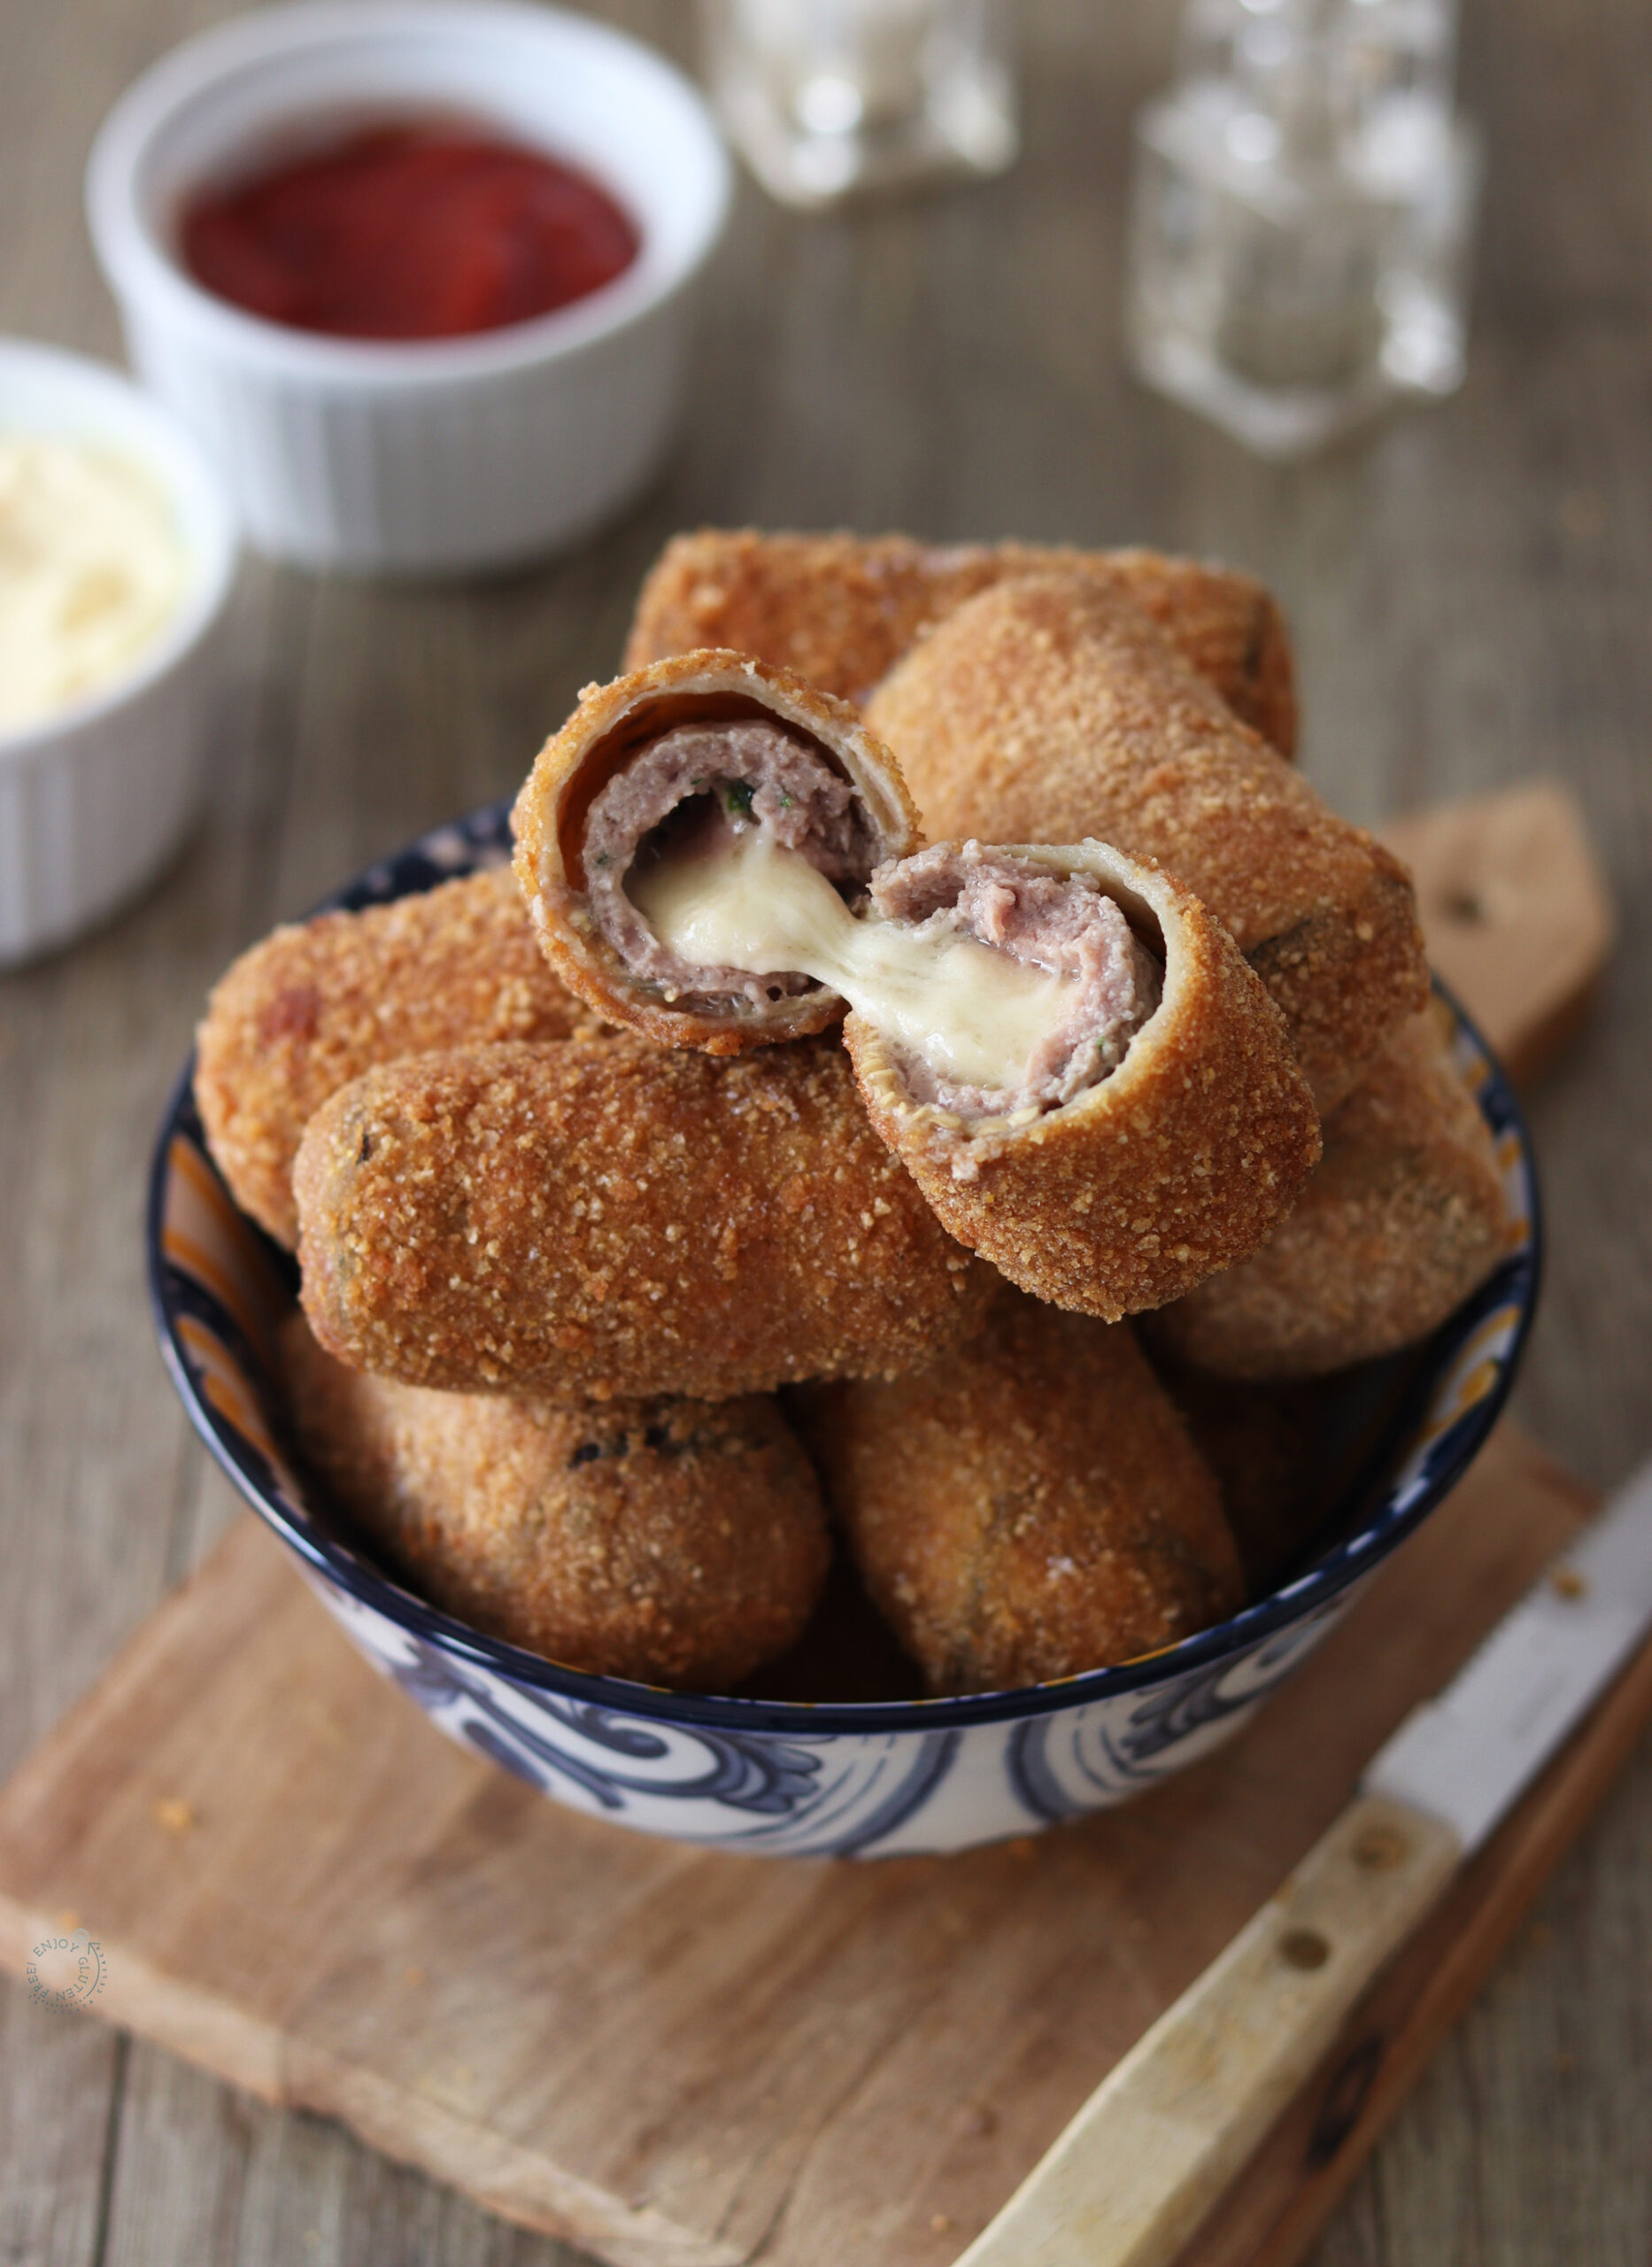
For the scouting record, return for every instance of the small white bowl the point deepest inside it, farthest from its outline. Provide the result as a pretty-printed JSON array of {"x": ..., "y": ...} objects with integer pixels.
[
  {"x": 435, "y": 455},
  {"x": 93, "y": 797}
]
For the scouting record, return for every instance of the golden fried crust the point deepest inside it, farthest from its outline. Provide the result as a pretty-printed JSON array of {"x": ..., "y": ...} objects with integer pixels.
[
  {"x": 314, "y": 1006},
  {"x": 1052, "y": 710},
  {"x": 843, "y": 610},
  {"x": 1029, "y": 1508},
  {"x": 679, "y": 1541},
  {"x": 1402, "y": 1220},
  {"x": 1178, "y": 1163},
  {"x": 607, "y": 1217},
  {"x": 575, "y": 765}
]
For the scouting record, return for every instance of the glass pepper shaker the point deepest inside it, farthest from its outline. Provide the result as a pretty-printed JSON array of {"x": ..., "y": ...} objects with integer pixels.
[
  {"x": 1300, "y": 214},
  {"x": 828, "y": 97}
]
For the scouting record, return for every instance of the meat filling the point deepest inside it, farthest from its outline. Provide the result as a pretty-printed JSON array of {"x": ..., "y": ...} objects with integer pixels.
[
  {"x": 687, "y": 794},
  {"x": 996, "y": 987},
  {"x": 1067, "y": 926}
]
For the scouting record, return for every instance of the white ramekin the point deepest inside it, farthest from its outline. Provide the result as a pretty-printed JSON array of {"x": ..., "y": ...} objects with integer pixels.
[
  {"x": 437, "y": 455},
  {"x": 93, "y": 797}
]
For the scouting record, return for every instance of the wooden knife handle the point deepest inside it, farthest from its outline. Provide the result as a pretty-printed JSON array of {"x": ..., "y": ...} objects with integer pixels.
[{"x": 1160, "y": 2139}]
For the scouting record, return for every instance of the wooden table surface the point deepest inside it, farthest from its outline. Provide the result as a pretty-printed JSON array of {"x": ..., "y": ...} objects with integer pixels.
[{"x": 1469, "y": 588}]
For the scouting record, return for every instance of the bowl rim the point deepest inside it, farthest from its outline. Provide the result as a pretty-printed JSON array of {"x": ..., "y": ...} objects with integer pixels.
[
  {"x": 169, "y": 451},
  {"x": 1515, "y": 1281},
  {"x": 141, "y": 270}
]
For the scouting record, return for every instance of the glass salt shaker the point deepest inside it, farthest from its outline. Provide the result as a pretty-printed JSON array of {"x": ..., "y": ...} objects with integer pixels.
[
  {"x": 825, "y": 98},
  {"x": 1301, "y": 215}
]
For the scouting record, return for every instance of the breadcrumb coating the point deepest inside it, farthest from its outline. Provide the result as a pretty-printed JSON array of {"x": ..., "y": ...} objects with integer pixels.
[
  {"x": 1028, "y": 1508},
  {"x": 604, "y": 1218},
  {"x": 682, "y": 1542},
  {"x": 316, "y": 1004},
  {"x": 1402, "y": 1218},
  {"x": 1176, "y": 1164},
  {"x": 843, "y": 610},
  {"x": 614, "y": 722},
  {"x": 1052, "y": 709}
]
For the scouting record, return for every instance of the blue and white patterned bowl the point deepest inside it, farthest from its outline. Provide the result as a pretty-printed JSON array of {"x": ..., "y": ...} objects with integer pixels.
[{"x": 871, "y": 1778}]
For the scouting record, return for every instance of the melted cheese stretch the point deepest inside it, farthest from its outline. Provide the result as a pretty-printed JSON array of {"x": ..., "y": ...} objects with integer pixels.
[{"x": 973, "y": 1014}]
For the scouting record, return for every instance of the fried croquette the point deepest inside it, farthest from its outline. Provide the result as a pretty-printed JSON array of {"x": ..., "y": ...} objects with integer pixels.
[
  {"x": 1052, "y": 709},
  {"x": 682, "y": 1542},
  {"x": 996, "y": 992},
  {"x": 1401, "y": 1219},
  {"x": 1266, "y": 1446},
  {"x": 673, "y": 762},
  {"x": 316, "y": 1004},
  {"x": 1028, "y": 1507},
  {"x": 606, "y": 1218},
  {"x": 1177, "y": 1145},
  {"x": 841, "y": 609}
]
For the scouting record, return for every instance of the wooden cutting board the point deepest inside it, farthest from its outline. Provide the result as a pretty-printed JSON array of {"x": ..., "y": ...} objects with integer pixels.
[
  {"x": 688, "y": 2059},
  {"x": 1515, "y": 913},
  {"x": 684, "y": 2057}
]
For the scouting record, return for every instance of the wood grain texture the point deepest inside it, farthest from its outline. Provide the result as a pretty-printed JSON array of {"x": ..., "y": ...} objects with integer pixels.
[
  {"x": 682, "y": 2058},
  {"x": 1468, "y": 591},
  {"x": 1389, "y": 2039},
  {"x": 1151, "y": 2154},
  {"x": 1514, "y": 914}
]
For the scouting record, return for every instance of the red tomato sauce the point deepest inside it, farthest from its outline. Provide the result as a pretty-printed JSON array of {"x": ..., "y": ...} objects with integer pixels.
[{"x": 412, "y": 230}]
